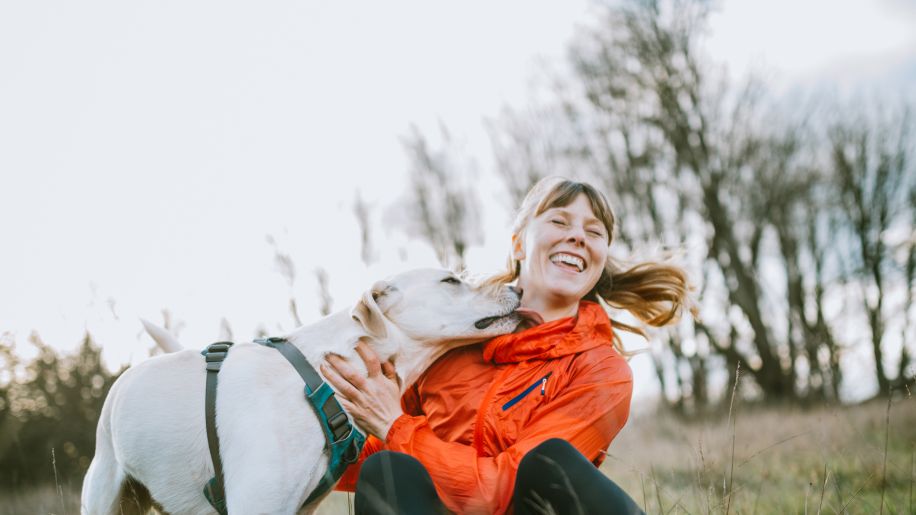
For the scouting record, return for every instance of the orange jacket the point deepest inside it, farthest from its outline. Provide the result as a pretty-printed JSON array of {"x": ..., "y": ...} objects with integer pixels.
[{"x": 475, "y": 413}]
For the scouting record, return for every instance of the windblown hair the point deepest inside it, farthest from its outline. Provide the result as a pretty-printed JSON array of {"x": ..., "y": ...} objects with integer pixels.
[{"x": 655, "y": 293}]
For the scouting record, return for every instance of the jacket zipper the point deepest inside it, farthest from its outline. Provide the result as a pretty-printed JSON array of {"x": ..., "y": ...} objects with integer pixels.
[{"x": 542, "y": 382}]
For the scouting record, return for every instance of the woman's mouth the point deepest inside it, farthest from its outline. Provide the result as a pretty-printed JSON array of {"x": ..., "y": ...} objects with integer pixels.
[{"x": 569, "y": 262}]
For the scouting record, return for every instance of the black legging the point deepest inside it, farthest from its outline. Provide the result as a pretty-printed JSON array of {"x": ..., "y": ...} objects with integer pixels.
[{"x": 552, "y": 474}]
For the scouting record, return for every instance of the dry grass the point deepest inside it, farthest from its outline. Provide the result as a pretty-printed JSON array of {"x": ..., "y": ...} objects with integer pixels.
[
  {"x": 824, "y": 460},
  {"x": 786, "y": 460},
  {"x": 41, "y": 501}
]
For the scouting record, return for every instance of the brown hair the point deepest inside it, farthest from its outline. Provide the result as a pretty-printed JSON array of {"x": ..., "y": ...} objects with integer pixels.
[{"x": 655, "y": 293}]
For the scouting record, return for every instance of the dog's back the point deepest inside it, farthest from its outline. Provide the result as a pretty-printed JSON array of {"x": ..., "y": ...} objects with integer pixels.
[{"x": 152, "y": 436}]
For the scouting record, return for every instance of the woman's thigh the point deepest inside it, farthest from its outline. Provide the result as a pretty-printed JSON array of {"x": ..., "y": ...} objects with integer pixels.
[
  {"x": 556, "y": 474},
  {"x": 394, "y": 483}
]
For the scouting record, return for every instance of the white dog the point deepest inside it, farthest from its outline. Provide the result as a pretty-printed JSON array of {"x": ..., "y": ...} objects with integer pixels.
[{"x": 151, "y": 444}]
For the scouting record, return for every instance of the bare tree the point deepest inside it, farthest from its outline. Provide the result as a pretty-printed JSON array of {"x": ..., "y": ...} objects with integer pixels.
[
  {"x": 692, "y": 160},
  {"x": 875, "y": 177},
  {"x": 443, "y": 208},
  {"x": 528, "y": 146},
  {"x": 765, "y": 203},
  {"x": 361, "y": 211},
  {"x": 287, "y": 269},
  {"x": 681, "y": 144},
  {"x": 324, "y": 293}
]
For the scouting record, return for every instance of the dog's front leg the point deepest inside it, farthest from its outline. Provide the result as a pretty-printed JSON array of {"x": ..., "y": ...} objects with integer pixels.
[{"x": 270, "y": 487}]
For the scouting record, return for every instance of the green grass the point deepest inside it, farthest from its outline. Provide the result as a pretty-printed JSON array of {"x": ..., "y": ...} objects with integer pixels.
[{"x": 786, "y": 461}]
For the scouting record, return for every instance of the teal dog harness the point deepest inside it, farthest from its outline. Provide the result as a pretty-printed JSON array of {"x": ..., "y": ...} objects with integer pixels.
[{"x": 343, "y": 442}]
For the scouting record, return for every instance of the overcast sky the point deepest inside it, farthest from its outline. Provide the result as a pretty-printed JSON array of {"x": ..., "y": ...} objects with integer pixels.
[{"x": 147, "y": 149}]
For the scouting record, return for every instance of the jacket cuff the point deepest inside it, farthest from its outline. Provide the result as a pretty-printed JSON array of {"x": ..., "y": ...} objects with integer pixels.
[{"x": 401, "y": 431}]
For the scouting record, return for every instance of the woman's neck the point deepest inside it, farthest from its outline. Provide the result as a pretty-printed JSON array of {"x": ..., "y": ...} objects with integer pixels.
[{"x": 551, "y": 311}]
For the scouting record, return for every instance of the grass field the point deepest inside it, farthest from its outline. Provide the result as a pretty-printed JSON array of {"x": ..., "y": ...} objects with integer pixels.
[
  {"x": 825, "y": 460},
  {"x": 760, "y": 460}
]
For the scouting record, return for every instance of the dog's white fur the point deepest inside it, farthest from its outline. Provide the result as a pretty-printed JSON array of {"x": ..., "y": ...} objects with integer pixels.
[{"x": 152, "y": 428}]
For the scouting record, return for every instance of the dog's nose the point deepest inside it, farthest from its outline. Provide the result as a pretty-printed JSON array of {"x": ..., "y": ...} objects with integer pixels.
[{"x": 516, "y": 290}]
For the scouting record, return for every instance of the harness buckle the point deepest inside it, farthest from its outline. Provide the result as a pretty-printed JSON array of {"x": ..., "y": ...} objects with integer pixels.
[
  {"x": 340, "y": 426},
  {"x": 351, "y": 454}
]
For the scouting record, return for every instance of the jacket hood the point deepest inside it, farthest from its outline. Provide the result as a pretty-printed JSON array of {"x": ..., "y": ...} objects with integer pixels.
[{"x": 590, "y": 328}]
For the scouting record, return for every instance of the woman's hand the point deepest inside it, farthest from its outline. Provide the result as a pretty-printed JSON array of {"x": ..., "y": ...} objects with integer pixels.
[{"x": 374, "y": 402}]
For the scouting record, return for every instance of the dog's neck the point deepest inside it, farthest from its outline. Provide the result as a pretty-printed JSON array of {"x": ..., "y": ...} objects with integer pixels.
[{"x": 337, "y": 334}]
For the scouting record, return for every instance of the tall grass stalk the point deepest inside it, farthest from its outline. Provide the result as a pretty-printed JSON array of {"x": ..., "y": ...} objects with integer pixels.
[
  {"x": 645, "y": 499},
  {"x": 706, "y": 487},
  {"x": 60, "y": 491},
  {"x": 887, "y": 432},
  {"x": 820, "y": 504},
  {"x": 912, "y": 458},
  {"x": 807, "y": 493},
  {"x": 658, "y": 493},
  {"x": 857, "y": 492},
  {"x": 912, "y": 474},
  {"x": 727, "y": 481}
]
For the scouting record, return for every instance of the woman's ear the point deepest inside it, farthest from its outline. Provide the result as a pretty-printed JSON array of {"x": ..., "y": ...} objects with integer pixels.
[{"x": 518, "y": 247}]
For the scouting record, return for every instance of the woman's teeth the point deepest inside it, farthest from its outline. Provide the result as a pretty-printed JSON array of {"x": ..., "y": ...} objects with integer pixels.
[{"x": 568, "y": 259}]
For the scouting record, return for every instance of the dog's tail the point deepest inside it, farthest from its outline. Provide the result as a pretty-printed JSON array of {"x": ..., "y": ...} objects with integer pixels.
[{"x": 162, "y": 337}]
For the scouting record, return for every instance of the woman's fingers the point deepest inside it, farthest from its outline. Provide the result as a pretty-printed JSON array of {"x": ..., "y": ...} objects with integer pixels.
[
  {"x": 340, "y": 383},
  {"x": 350, "y": 408},
  {"x": 370, "y": 358},
  {"x": 390, "y": 372},
  {"x": 347, "y": 371},
  {"x": 374, "y": 402}
]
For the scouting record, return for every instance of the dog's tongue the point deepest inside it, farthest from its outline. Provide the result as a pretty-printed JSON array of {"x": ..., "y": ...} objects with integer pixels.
[{"x": 530, "y": 318}]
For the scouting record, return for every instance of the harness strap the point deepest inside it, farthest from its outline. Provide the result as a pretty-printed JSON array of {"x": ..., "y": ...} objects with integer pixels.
[
  {"x": 214, "y": 490},
  {"x": 296, "y": 359},
  {"x": 342, "y": 441}
]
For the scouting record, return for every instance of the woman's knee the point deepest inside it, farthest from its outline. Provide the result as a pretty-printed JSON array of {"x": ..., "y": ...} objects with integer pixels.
[
  {"x": 389, "y": 464},
  {"x": 554, "y": 450},
  {"x": 393, "y": 482}
]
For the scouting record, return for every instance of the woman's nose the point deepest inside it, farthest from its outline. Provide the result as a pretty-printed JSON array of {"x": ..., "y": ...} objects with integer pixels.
[{"x": 576, "y": 236}]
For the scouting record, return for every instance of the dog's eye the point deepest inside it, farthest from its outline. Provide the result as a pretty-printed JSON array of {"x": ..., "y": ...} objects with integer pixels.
[{"x": 451, "y": 280}]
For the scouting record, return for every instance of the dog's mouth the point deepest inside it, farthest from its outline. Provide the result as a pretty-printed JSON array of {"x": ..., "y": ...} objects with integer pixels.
[
  {"x": 526, "y": 316},
  {"x": 483, "y": 323}
]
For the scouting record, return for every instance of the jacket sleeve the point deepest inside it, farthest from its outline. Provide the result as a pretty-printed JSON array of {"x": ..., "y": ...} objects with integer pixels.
[
  {"x": 588, "y": 413},
  {"x": 411, "y": 404},
  {"x": 347, "y": 481}
]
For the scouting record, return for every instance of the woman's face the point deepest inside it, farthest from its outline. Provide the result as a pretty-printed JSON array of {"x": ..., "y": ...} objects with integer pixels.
[{"x": 562, "y": 254}]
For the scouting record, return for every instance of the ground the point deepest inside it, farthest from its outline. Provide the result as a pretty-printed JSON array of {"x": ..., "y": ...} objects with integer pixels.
[{"x": 786, "y": 460}]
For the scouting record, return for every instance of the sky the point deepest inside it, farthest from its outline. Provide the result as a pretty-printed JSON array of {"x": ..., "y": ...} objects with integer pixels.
[{"x": 149, "y": 149}]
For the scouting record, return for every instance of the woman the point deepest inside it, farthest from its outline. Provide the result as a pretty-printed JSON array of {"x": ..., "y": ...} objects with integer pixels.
[{"x": 523, "y": 420}]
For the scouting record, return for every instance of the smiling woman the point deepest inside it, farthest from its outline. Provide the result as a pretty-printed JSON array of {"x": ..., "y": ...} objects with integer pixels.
[
  {"x": 520, "y": 422},
  {"x": 561, "y": 257}
]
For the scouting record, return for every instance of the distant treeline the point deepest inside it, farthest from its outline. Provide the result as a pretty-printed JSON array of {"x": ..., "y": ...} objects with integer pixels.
[{"x": 49, "y": 408}]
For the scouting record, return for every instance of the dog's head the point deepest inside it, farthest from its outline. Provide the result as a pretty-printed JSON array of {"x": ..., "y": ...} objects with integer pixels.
[{"x": 434, "y": 306}]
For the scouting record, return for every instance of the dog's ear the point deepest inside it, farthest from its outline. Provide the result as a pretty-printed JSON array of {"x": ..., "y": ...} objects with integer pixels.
[{"x": 368, "y": 313}]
